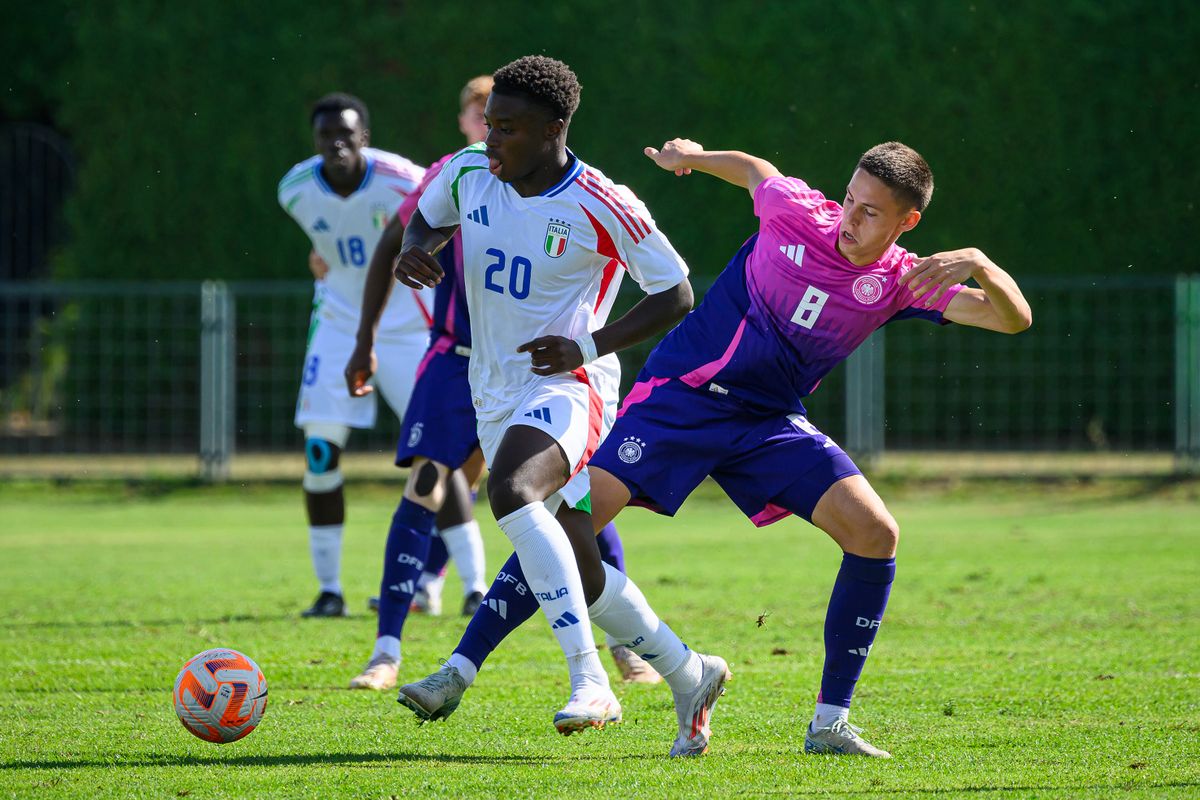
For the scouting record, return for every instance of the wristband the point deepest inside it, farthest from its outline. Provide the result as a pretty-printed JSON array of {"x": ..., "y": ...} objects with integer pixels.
[{"x": 587, "y": 346}]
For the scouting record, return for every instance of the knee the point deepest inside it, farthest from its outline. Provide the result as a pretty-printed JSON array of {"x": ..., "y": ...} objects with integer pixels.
[
  {"x": 323, "y": 445},
  {"x": 426, "y": 485},
  {"x": 506, "y": 494},
  {"x": 879, "y": 537},
  {"x": 321, "y": 471}
]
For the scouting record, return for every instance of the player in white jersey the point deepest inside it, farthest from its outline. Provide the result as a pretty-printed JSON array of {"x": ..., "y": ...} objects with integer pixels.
[
  {"x": 342, "y": 198},
  {"x": 546, "y": 239}
]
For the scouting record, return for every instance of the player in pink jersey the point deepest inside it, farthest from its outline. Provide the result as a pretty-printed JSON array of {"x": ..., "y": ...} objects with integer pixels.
[
  {"x": 817, "y": 279},
  {"x": 722, "y": 394}
]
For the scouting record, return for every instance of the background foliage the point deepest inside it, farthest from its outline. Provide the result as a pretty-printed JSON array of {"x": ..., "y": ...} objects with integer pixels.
[{"x": 1062, "y": 135}]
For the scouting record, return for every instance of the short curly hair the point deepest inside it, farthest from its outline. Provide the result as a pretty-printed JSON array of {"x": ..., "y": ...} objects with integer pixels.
[
  {"x": 546, "y": 81},
  {"x": 336, "y": 103},
  {"x": 903, "y": 170}
]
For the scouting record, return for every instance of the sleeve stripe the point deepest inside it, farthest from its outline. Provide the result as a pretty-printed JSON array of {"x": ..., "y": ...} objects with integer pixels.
[
  {"x": 295, "y": 180},
  {"x": 616, "y": 199},
  {"x": 636, "y": 235},
  {"x": 612, "y": 194},
  {"x": 454, "y": 186}
]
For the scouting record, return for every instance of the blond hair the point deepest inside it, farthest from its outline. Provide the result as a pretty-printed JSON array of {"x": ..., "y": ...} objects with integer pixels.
[{"x": 476, "y": 91}]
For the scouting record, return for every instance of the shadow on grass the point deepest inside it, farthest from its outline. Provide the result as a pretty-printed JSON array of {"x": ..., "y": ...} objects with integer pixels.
[
  {"x": 954, "y": 790},
  {"x": 151, "y": 623},
  {"x": 303, "y": 759}
]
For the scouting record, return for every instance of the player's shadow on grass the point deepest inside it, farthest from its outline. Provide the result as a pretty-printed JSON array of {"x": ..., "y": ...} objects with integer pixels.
[
  {"x": 147, "y": 623},
  {"x": 304, "y": 759},
  {"x": 1070, "y": 788}
]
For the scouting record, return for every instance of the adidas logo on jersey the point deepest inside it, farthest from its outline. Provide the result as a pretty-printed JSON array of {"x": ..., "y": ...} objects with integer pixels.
[
  {"x": 479, "y": 215},
  {"x": 565, "y": 621},
  {"x": 540, "y": 413},
  {"x": 795, "y": 252},
  {"x": 320, "y": 226},
  {"x": 499, "y": 606}
]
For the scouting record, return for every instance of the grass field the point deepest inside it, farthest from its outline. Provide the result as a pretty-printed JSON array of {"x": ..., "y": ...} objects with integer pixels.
[{"x": 1042, "y": 641}]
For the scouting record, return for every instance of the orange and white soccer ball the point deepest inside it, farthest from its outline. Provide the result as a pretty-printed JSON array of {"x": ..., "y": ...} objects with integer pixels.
[{"x": 220, "y": 695}]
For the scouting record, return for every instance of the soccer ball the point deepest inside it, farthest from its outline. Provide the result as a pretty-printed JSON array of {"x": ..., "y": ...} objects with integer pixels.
[{"x": 220, "y": 695}]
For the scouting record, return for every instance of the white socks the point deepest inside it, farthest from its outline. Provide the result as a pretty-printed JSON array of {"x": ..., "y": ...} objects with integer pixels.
[
  {"x": 826, "y": 715},
  {"x": 622, "y": 611},
  {"x": 552, "y": 575},
  {"x": 386, "y": 646},
  {"x": 325, "y": 543},
  {"x": 465, "y": 667},
  {"x": 465, "y": 545}
]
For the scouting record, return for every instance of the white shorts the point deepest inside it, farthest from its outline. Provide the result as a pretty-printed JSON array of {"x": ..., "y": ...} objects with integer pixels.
[
  {"x": 576, "y": 409},
  {"x": 323, "y": 393}
]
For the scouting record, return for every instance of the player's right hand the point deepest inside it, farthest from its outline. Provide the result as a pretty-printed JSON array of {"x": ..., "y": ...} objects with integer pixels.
[
  {"x": 674, "y": 155},
  {"x": 317, "y": 266},
  {"x": 359, "y": 369},
  {"x": 416, "y": 269}
]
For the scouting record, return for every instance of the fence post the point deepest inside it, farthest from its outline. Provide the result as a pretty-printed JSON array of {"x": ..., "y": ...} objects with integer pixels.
[
  {"x": 864, "y": 399},
  {"x": 216, "y": 380},
  {"x": 1187, "y": 373}
]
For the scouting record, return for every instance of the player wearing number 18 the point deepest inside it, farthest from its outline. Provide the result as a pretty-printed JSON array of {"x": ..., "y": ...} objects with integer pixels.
[{"x": 342, "y": 198}]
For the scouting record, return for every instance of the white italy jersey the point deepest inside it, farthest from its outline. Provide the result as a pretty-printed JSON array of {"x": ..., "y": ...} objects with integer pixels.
[
  {"x": 345, "y": 230},
  {"x": 544, "y": 265}
]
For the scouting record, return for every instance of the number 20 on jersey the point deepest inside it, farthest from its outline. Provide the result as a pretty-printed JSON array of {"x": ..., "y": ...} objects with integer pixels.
[{"x": 507, "y": 276}]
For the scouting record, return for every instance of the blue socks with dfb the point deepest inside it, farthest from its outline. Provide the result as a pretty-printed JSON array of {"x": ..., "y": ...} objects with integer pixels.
[
  {"x": 860, "y": 595},
  {"x": 508, "y": 603},
  {"x": 407, "y": 550}
]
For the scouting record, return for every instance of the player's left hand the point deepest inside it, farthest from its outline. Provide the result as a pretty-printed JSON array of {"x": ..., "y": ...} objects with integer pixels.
[
  {"x": 317, "y": 266},
  {"x": 359, "y": 369},
  {"x": 940, "y": 271},
  {"x": 674, "y": 155},
  {"x": 551, "y": 355}
]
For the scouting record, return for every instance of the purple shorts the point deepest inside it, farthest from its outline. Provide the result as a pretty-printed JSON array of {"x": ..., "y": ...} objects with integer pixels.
[
  {"x": 439, "y": 423},
  {"x": 669, "y": 437}
]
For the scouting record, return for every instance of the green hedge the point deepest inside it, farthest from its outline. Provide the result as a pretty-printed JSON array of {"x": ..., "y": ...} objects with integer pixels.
[{"x": 1062, "y": 135}]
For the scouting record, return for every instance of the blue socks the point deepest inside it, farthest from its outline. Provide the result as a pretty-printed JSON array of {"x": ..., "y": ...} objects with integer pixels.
[
  {"x": 407, "y": 550},
  {"x": 612, "y": 552},
  {"x": 860, "y": 595},
  {"x": 508, "y": 603},
  {"x": 439, "y": 556}
]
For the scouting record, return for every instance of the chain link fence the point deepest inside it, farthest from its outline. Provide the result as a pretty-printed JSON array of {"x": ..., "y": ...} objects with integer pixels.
[{"x": 204, "y": 372}]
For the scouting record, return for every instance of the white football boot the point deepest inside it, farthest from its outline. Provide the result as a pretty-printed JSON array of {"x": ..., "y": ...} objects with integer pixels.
[
  {"x": 633, "y": 667},
  {"x": 379, "y": 674},
  {"x": 841, "y": 738},
  {"x": 435, "y": 696},
  {"x": 593, "y": 707},
  {"x": 694, "y": 709}
]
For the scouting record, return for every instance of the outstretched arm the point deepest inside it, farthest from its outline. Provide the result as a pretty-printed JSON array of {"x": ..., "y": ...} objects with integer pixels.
[
  {"x": 997, "y": 305},
  {"x": 681, "y": 156},
  {"x": 378, "y": 287}
]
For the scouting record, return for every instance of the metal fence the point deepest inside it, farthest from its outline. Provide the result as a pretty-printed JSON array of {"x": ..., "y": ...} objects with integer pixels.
[{"x": 1110, "y": 366}]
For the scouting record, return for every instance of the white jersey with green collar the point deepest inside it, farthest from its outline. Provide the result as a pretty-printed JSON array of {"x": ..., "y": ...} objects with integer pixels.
[
  {"x": 544, "y": 265},
  {"x": 345, "y": 231}
]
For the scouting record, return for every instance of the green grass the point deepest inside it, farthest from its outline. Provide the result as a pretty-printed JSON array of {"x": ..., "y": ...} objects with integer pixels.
[{"x": 1042, "y": 641}]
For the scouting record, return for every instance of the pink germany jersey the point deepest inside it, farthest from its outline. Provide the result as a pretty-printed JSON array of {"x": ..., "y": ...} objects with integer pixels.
[{"x": 788, "y": 307}]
